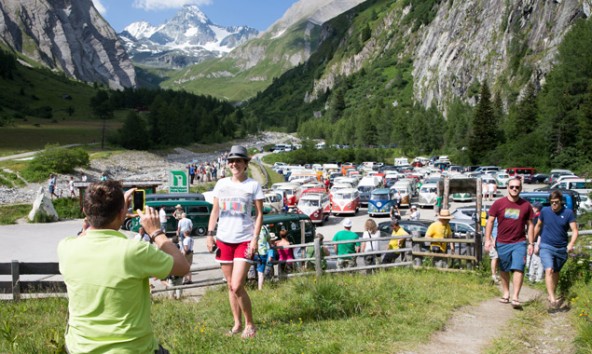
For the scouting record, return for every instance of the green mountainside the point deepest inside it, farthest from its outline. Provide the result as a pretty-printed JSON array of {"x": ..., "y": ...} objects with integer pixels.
[{"x": 250, "y": 68}]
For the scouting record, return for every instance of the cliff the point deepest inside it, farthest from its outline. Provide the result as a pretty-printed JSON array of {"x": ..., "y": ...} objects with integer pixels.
[{"x": 69, "y": 36}]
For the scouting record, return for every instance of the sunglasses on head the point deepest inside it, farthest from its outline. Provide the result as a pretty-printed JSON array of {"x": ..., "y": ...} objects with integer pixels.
[{"x": 514, "y": 187}]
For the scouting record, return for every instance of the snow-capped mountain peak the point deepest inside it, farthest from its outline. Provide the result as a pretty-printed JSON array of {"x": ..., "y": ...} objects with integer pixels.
[
  {"x": 140, "y": 29},
  {"x": 188, "y": 38}
]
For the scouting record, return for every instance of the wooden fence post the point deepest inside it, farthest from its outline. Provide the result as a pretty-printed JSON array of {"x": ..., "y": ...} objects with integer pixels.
[
  {"x": 16, "y": 286},
  {"x": 318, "y": 255},
  {"x": 445, "y": 203}
]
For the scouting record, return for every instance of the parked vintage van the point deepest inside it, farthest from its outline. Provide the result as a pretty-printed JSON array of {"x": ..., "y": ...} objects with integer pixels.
[
  {"x": 428, "y": 193},
  {"x": 380, "y": 202},
  {"x": 291, "y": 223},
  {"x": 315, "y": 203},
  {"x": 197, "y": 210},
  {"x": 345, "y": 201},
  {"x": 291, "y": 191},
  {"x": 404, "y": 187}
]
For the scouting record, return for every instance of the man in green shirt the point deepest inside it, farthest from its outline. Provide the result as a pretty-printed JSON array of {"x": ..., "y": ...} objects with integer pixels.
[
  {"x": 346, "y": 248},
  {"x": 107, "y": 276}
]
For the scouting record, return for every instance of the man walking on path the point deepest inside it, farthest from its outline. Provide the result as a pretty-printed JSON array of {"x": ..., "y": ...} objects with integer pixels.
[
  {"x": 554, "y": 248},
  {"x": 513, "y": 215}
]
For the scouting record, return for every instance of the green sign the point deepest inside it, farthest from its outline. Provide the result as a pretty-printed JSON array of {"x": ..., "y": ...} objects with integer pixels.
[{"x": 178, "y": 182}]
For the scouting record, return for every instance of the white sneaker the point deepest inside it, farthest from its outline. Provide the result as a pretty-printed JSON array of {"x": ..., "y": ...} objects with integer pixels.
[{"x": 495, "y": 279}]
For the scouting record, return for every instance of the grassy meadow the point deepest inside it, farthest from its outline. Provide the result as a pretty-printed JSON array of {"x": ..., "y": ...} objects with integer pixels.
[{"x": 392, "y": 309}]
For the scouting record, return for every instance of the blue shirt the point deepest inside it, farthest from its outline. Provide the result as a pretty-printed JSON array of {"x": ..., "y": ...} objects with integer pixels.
[{"x": 556, "y": 226}]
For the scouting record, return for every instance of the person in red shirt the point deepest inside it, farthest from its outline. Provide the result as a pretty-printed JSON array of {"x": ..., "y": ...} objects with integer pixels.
[{"x": 514, "y": 215}]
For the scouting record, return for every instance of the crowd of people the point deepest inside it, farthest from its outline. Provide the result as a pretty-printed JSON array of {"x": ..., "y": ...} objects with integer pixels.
[{"x": 108, "y": 275}]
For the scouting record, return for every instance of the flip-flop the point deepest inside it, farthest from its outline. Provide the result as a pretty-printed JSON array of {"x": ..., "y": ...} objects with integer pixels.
[
  {"x": 249, "y": 332},
  {"x": 516, "y": 305},
  {"x": 504, "y": 300},
  {"x": 234, "y": 331}
]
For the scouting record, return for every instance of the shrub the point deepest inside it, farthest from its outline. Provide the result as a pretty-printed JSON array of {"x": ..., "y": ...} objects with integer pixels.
[
  {"x": 68, "y": 208},
  {"x": 55, "y": 160}
]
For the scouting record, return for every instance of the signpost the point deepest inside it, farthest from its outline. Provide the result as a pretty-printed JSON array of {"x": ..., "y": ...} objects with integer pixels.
[{"x": 178, "y": 181}]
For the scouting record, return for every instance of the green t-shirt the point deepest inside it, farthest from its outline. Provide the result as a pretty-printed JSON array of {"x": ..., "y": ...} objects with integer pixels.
[
  {"x": 108, "y": 291},
  {"x": 346, "y": 248}
]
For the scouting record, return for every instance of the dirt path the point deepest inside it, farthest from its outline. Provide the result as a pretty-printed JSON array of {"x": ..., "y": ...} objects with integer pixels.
[{"x": 472, "y": 328}]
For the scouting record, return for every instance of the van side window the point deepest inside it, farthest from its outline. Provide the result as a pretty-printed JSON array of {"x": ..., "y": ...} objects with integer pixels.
[{"x": 201, "y": 209}]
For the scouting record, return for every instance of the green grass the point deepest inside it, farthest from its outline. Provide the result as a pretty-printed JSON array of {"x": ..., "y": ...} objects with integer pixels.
[
  {"x": 394, "y": 309},
  {"x": 9, "y": 214}
]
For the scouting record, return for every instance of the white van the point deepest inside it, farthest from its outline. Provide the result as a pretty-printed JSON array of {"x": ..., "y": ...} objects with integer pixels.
[{"x": 580, "y": 185}]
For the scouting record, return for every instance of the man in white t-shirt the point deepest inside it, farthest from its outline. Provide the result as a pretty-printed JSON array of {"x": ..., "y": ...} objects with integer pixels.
[
  {"x": 163, "y": 218},
  {"x": 185, "y": 224}
]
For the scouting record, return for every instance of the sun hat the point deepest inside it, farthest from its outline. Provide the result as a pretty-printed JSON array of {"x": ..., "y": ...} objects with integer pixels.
[
  {"x": 347, "y": 222},
  {"x": 273, "y": 236},
  {"x": 413, "y": 207},
  {"x": 444, "y": 214},
  {"x": 178, "y": 206},
  {"x": 238, "y": 152}
]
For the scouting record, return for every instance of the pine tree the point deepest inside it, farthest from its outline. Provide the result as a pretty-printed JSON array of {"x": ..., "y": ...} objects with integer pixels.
[{"x": 482, "y": 138}]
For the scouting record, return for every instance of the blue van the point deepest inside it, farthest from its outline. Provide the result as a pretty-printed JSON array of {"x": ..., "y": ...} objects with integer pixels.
[
  {"x": 571, "y": 199},
  {"x": 380, "y": 202}
]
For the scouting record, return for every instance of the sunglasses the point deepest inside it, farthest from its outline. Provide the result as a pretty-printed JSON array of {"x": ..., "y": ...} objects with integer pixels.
[
  {"x": 555, "y": 202},
  {"x": 514, "y": 187}
]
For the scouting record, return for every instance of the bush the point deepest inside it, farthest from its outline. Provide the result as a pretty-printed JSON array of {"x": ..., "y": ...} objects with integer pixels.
[
  {"x": 55, "y": 160},
  {"x": 68, "y": 208}
]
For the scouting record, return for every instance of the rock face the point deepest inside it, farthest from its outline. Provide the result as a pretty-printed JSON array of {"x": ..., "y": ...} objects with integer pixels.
[
  {"x": 43, "y": 208},
  {"x": 69, "y": 36},
  {"x": 467, "y": 42},
  {"x": 474, "y": 40}
]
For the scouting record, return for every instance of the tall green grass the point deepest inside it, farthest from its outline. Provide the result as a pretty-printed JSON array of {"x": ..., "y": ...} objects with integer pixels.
[{"x": 342, "y": 313}]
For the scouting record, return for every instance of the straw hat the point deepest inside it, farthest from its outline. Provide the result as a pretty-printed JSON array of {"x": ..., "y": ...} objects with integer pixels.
[
  {"x": 445, "y": 214},
  {"x": 178, "y": 206}
]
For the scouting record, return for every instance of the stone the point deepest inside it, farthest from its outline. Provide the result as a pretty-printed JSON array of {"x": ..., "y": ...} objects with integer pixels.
[{"x": 43, "y": 206}]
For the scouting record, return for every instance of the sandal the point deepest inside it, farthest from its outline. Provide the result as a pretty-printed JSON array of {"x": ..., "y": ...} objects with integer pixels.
[
  {"x": 516, "y": 305},
  {"x": 504, "y": 300},
  {"x": 249, "y": 332},
  {"x": 234, "y": 331}
]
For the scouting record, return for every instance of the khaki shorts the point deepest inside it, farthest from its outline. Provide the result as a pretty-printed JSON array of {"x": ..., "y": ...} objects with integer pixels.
[{"x": 189, "y": 258}]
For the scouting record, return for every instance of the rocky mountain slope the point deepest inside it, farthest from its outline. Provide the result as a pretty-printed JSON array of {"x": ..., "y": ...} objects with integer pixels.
[
  {"x": 67, "y": 36},
  {"x": 467, "y": 42},
  {"x": 188, "y": 38}
]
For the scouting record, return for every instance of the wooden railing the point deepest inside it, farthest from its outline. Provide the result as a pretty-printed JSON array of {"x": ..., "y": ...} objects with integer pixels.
[{"x": 412, "y": 253}]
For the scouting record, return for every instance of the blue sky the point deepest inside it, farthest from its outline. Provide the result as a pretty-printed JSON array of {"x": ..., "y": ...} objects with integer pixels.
[{"x": 259, "y": 14}]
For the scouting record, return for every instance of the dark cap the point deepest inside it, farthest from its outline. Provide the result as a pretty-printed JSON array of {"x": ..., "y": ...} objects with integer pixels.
[{"x": 537, "y": 205}]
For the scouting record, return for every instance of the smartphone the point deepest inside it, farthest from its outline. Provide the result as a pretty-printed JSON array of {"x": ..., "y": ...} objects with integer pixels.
[{"x": 138, "y": 200}]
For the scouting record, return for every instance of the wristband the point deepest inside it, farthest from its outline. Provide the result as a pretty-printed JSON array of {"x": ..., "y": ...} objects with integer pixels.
[
  {"x": 210, "y": 233},
  {"x": 155, "y": 234}
]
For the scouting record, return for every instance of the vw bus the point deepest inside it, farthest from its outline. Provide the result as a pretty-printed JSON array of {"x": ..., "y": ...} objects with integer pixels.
[
  {"x": 314, "y": 202},
  {"x": 380, "y": 202},
  {"x": 345, "y": 201}
]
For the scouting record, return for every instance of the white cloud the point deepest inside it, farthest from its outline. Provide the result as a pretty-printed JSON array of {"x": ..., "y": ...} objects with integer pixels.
[
  {"x": 167, "y": 4},
  {"x": 100, "y": 7}
]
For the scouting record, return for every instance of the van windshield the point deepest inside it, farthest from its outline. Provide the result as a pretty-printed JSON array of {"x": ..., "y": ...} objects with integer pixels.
[
  {"x": 380, "y": 197},
  {"x": 365, "y": 188}
]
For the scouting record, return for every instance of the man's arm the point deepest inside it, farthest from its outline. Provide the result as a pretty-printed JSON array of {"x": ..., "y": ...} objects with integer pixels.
[
  {"x": 151, "y": 223},
  {"x": 488, "y": 230},
  {"x": 530, "y": 235},
  {"x": 574, "y": 236}
]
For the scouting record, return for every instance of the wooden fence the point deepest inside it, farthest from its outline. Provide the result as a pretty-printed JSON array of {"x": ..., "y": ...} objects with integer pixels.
[{"x": 412, "y": 254}]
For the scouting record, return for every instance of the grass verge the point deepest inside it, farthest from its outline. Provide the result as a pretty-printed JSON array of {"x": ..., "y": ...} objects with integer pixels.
[
  {"x": 391, "y": 309},
  {"x": 9, "y": 214}
]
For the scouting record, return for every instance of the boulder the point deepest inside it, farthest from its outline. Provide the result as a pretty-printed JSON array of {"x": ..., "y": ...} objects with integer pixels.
[{"x": 43, "y": 208}]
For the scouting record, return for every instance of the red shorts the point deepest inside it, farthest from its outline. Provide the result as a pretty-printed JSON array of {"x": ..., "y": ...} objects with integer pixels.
[{"x": 229, "y": 252}]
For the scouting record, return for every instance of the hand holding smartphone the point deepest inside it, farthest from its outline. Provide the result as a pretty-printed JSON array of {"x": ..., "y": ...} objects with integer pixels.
[{"x": 139, "y": 200}]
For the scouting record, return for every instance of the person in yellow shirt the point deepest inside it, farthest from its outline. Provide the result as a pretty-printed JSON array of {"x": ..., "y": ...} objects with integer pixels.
[
  {"x": 395, "y": 244},
  {"x": 440, "y": 229}
]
